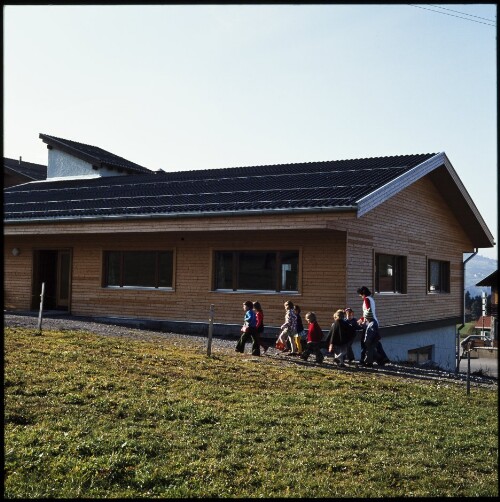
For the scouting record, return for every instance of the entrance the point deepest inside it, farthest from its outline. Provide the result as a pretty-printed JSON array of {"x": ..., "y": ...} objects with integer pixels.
[{"x": 53, "y": 267}]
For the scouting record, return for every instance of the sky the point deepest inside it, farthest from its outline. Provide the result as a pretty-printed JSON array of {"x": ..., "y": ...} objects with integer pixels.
[{"x": 182, "y": 87}]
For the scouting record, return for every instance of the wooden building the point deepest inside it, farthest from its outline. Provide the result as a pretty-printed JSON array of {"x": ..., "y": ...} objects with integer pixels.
[
  {"x": 162, "y": 247},
  {"x": 492, "y": 282}
]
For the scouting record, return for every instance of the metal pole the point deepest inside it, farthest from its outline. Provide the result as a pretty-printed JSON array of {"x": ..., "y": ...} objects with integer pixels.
[
  {"x": 457, "y": 348},
  {"x": 468, "y": 368},
  {"x": 483, "y": 309},
  {"x": 210, "y": 329},
  {"x": 41, "y": 310}
]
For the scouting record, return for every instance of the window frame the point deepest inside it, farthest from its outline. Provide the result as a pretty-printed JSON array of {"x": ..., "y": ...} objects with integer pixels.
[
  {"x": 400, "y": 277},
  {"x": 444, "y": 277},
  {"x": 235, "y": 272},
  {"x": 420, "y": 355},
  {"x": 121, "y": 273}
]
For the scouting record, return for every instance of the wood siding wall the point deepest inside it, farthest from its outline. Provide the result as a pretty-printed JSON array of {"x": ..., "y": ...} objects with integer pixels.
[{"x": 337, "y": 253}]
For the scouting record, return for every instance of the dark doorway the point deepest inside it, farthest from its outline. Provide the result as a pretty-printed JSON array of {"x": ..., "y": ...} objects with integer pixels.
[{"x": 52, "y": 267}]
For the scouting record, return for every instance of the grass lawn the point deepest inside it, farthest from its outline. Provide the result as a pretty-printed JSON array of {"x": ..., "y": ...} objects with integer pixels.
[
  {"x": 96, "y": 417},
  {"x": 468, "y": 329}
]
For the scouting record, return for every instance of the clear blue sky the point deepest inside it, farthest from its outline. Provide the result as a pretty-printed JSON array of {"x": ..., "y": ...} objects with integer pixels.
[{"x": 212, "y": 86}]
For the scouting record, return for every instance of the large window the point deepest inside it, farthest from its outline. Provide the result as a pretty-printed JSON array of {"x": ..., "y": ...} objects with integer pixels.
[
  {"x": 438, "y": 276},
  {"x": 256, "y": 270},
  {"x": 390, "y": 273},
  {"x": 150, "y": 269}
]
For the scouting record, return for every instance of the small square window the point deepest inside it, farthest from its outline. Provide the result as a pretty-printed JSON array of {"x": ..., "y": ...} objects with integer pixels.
[
  {"x": 390, "y": 273},
  {"x": 438, "y": 276},
  {"x": 420, "y": 354}
]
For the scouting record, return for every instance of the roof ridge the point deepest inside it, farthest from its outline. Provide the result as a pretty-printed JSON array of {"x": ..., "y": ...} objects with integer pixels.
[
  {"x": 339, "y": 160},
  {"x": 23, "y": 162},
  {"x": 72, "y": 141},
  {"x": 287, "y": 164}
]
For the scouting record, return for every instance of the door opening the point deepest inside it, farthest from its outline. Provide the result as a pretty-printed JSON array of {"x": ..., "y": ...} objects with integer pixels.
[{"x": 53, "y": 267}]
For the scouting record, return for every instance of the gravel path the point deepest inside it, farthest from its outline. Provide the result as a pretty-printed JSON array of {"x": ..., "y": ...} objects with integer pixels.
[{"x": 227, "y": 345}]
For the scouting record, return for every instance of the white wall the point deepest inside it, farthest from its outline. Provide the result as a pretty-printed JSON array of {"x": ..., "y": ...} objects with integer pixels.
[
  {"x": 441, "y": 339},
  {"x": 62, "y": 164}
]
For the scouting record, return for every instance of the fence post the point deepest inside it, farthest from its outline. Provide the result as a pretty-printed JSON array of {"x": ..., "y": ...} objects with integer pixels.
[
  {"x": 210, "y": 329},
  {"x": 39, "y": 332}
]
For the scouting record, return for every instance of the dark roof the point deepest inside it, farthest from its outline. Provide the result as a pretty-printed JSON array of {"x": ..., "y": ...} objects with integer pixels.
[
  {"x": 490, "y": 280},
  {"x": 94, "y": 155},
  {"x": 357, "y": 185},
  {"x": 483, "y": 322},
  {"x": 333, "y": 185},
  {"x": 27, "y": 169}
]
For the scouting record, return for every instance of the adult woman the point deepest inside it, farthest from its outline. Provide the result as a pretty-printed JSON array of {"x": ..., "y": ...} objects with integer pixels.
[
  {"x": 369, "y": 312},
  {"x": 368, "y": 303}
]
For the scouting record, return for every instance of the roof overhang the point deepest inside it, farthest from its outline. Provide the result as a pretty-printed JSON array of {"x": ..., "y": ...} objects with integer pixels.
[
  {"x": 490, "y": 280},
  {"x": 442, "y": 174},
  {"x": 187, "y": 214}
]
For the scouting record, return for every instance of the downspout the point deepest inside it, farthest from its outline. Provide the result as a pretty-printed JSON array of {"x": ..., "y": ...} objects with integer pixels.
[{"x": 457, "y": 366}]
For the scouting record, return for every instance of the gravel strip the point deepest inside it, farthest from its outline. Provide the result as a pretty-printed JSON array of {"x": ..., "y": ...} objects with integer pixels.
[{"x": 227, "y": 345}]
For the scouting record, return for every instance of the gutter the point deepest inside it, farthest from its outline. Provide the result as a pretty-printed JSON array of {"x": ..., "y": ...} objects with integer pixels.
[
  {"x": 457, "y": 367},
  {"x": 191, "y": 214}
]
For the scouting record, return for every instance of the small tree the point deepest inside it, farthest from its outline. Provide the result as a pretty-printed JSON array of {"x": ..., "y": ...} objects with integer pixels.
[
  {"x": 475, "y": 308},
  {"x": 468, "y": 300}
]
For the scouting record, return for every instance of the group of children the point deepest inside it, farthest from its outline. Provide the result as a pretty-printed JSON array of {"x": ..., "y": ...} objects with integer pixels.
[{"x": 294, "y": 340}]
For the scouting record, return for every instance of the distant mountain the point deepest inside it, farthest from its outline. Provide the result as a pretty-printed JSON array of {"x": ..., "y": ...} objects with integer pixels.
[{"x": 478, "y": 268}]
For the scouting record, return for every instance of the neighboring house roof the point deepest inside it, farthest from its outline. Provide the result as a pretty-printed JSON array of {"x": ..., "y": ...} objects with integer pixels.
[
  {"x": 490, "y": 280},
  {"x": 355, "y": 185},
  {"x": 487, "y": 322},
  {"x": 93, "y": 154},
  {"x": 28, "y": 170}
]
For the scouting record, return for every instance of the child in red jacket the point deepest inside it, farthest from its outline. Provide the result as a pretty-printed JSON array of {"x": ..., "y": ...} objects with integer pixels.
[{"x": 314, "y": 337}]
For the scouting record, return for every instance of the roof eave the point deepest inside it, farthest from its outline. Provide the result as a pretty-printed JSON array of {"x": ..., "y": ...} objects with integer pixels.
[
  {"x": 490, "y": 280},
  {"x": 190, "y": 214}
]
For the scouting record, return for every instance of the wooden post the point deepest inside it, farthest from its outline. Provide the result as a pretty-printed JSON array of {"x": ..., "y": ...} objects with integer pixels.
[
  {"x": 41, "y": 310},
  {"x": 210, "y": 329}
]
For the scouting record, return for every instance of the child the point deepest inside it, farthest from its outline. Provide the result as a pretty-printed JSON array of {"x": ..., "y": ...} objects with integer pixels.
[
  {"x": 248, "y": 330},
  {"x": 314, "y": 337},
  {"x": 289, "y": 327},
  {"x": 259, "y": 325},
  {"x": 301, "y": 336},
  {"x": 339, "y": 336},
  {"x": 354, "y": 323}
]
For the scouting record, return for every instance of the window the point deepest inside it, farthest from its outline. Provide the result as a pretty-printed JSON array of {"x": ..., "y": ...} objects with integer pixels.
[
  {"x": 149, "y": 269},
  {"x": 390, "y": 273},
  {"x": 420, "y": 354},
  {"x": 256, "y": 270},
  {"x": 438, "y": 276}
]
